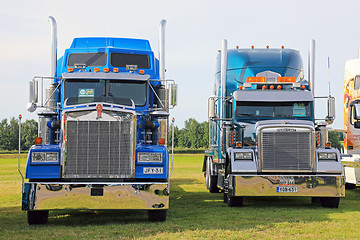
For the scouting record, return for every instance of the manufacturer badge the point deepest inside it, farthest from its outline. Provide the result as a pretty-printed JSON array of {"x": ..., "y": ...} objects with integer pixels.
[{"x": 99, "y": 109}]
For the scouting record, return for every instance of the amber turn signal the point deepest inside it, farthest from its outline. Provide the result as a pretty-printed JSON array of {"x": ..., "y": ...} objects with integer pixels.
[{"x": 38, "y": 140}]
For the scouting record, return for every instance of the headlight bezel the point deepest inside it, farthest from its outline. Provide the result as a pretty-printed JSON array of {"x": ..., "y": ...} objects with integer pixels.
[
  {"x": 45, "y": 157},
  {"x": 327, "y": 156},
  {"x": 243, "y": 156},
  {"x": 148, "y": 157}
]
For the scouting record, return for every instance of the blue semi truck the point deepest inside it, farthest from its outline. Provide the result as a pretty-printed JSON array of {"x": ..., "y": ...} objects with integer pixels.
[
  {"x": 103, "y": 122},
  {"x": 264, "y": 138}
]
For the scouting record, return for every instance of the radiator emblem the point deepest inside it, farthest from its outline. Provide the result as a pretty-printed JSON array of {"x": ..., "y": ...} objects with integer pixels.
[
  {"x": 286, "y": 130},
  {"x": 99, "y": 109}
]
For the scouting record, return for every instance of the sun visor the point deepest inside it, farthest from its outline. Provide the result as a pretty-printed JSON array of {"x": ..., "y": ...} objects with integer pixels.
[{"x": 273, "y": 96}]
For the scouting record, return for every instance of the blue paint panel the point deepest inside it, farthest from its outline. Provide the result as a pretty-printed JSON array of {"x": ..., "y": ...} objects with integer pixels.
[
  {"x": 35, "y": 170},
  {"x": 139, "y": 167},
  {"x": 102, "y": 42}
]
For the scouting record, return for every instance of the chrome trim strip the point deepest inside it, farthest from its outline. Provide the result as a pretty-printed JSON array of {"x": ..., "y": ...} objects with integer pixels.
[
  {"x": 110, "y": 195},
  {"x": 307, "y": 185}
]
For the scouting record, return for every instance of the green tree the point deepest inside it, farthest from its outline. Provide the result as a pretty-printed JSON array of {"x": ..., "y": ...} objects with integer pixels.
[
  {"x": 29, "y": 130},
  {"x": 335, "y": 138}
]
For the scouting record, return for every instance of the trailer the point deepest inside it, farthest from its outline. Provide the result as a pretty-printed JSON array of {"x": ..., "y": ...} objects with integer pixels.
[
  {"x": 103, "y": 125},
  {"x": 264, "y": 140},
  {"x": 351, "y": 156}
]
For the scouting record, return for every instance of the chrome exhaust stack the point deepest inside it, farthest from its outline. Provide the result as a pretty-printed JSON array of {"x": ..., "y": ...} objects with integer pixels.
[
  {"x": 311, "y": 66},
  {"x": 162, "y": 49},
  {"x": 223, "y": 76},
  {"x": 53, "y": 29}
]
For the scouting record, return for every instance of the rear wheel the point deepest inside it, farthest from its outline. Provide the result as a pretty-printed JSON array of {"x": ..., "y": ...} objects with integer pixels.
[
  {"x": 350, "y": 186},
  {"x": 157, "y": 215},
  {"x": 330, "y": 202},
  {"x": 38, "y": 217},
  {"x": 235, "y": 201},
  {"x": 211, "y": 181}
]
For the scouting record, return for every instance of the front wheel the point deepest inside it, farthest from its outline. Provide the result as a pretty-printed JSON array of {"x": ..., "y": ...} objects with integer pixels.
[
  {"x": 330, "y": 202},
  {"x": 157, "y": 215},
  {"x": 211, "y": 181},
  {"x": 235, "y": 201},
  {"x": 38, "y": 217}
]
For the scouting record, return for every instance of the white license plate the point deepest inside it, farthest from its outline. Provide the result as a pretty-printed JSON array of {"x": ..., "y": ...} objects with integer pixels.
[
  {"x": 152, "y": 170},
  {"x": 287, "y": 189}
]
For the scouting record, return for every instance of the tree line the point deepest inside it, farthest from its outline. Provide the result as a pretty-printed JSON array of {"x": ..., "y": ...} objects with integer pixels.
[
  {"x": 9, "y": 134},
  {"x": 194, "y": 135}
]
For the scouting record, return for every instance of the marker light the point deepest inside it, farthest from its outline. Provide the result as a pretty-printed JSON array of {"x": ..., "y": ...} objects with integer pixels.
[
  {"x": 237, "y": 47},
  {"x": 70, "y": 69},
  {"x": 161, "y": 141},
  {"x": 106, "y": 70},
  {"x": 264, "y": 87},
  {"x": 142, "y": 71},
  {"x": 38, "y": 141},
  {"x": 328, "y": 144},
  {"x": 279, "y": 87},
  {"x": 272, "y": 87},
  {"x": 282, "y": 47},
  {"x": 302, "y": 87},
  {"x": 267, "y": 46},
  {"x": 241, "y": 87},
  {"x": 238, "y": 144},
  {"x": 96, "y": 70},
  {"x": 115, "y": 70},
  {"x": 286, "y": 79},
  {"x": 255, "y": 79},
  {"x": 252, "y": 46}
]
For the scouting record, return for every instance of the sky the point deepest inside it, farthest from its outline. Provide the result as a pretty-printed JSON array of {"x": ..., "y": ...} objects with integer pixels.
[{"x": 194, "y": 32}]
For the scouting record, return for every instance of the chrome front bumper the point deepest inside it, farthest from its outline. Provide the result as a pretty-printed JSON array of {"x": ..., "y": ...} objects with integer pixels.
[
  {"x": 95, "y": 195},
  {"x": 285, "y": 185}
]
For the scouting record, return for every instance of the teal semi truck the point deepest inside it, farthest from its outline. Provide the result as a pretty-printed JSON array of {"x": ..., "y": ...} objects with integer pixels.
[
  {"x": 103, "y": 124},
  {"x": 264, "y": 138}
]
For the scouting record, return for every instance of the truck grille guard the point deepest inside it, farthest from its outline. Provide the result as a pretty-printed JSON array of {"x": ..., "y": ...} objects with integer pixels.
[
  {"x": 98, "y": 145},
  {"x": 287, "y": 148}
]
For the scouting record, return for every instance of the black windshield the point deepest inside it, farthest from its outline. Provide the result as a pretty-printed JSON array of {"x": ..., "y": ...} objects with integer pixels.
[
  {"x": 273, "y": 109},
  {"x": 111, "y": 91},
  {"x": 88, "y": 59}
]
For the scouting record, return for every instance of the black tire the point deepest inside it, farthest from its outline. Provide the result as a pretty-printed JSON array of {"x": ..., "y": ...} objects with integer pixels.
[
  {"x": 315, "y": 200},
  {"x": 226, "y": 199},
  {"x": 350, "y": 186},
  {"x": 157, "y": 215},
  {"x": 330, "y": 202},
  {"x": 235, "y": 201},
  {"x": 38, "y": 217},
  {"x": 211, "y": 181}
]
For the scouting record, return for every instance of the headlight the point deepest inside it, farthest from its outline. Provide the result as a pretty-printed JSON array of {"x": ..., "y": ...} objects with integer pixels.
[
  {"x": 45, "y": 157},
  {"x": 243, "y": 156},
  {"x": 147, "y": 157},
  {"x": 327, "y": 156}
]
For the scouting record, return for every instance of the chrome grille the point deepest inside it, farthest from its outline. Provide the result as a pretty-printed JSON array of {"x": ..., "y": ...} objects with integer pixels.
[
  {"x": 99, "y": 148},
  {"x": 286, "y": 151}
]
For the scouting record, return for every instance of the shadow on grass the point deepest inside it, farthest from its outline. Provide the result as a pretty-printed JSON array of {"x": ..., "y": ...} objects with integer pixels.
[{"x": 189, "y": 211}]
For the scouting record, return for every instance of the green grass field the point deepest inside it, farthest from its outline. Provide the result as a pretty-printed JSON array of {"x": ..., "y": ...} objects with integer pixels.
[{"x": 194, "y": 214}]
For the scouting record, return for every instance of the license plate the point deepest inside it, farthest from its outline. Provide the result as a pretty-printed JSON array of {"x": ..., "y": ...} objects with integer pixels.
[
  {"x": 286, "y": 189},
  {"x": 152, "y": 170}
]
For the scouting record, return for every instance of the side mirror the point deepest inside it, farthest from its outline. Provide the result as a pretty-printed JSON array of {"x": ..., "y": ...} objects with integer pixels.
[
  {"x": 357, "y": 82},
  {"x": 357, "y": 124},
  {"x": 33, "y": 96},
  {"x": 211, "y": 108},
  {"x": 357, "y": 111},
  {"x": 173, "y": 94},
  {"x": 331, "y": 110}
]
